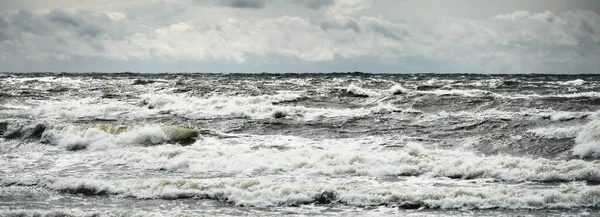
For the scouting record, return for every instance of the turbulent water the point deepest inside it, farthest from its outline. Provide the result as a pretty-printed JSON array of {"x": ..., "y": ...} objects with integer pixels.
[{"x": 299, "y": 145}]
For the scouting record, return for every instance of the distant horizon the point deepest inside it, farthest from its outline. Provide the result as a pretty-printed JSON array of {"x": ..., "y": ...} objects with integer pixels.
[{"x": 302, "y": 73}]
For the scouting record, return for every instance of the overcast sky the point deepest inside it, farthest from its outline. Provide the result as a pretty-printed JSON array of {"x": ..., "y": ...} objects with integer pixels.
[{"x": 473, "y": 36}]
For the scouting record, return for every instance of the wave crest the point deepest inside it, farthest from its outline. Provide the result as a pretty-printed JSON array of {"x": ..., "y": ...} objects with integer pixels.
[
  {"x": 257, "y": 192},
  {"x": 588, "y": 141}
]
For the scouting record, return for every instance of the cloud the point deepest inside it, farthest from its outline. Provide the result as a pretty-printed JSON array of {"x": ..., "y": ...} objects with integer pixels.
[
  {"x": 3, "y": 34},
  {"x": 245, "y": 3},
  {"x": 341, "y": 9},
  {"x": 116, "y": 15},
  {"x": 314, "y": 4},
  {"x": 59, "y": 34},
  {"x": 257, "y": 4},
  {"x": 546, "y": 16},
  {"x": 321, "y": 35}
]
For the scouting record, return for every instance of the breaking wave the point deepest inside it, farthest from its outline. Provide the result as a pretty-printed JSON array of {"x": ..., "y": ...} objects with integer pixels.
[
  {"x": 98, "y": 136},
  {"x": 251, "y": 107},
  {"x": 576, "y": 82},
  {"x": 288, "y": 155},
  {"x": 281, "y": 143},
  {"x": 588, "y": 141},
  {"x": 259, "y": 192},
  {"x": 556, "y": 132},
  {"x": 355, "y": 91}
]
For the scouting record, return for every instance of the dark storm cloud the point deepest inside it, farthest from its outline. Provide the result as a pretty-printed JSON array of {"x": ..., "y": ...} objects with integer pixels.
[
  {"x": 24, "y": 20},
  {"x": 253, "y": 4},
  {"x": 63, "y": 18},
  {"x": 81, "y": 25},
  {"x": 58, "y": 32},
  {"x": 365, "y": 25},
  {"x": 57, "y": 20},
  {"x": 386, "y": 29}
]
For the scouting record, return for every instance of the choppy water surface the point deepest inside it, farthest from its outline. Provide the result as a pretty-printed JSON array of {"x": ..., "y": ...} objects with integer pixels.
[{"x": 299, "y": 145}]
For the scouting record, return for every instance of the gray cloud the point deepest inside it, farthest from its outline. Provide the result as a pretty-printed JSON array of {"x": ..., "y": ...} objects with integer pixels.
[
  {"x": 387, "y": 29},
  {"x": 3, "y": 22},
  {"x": 314, "y": 4},
  {"x": 63, "y": 18},
  {"x": 58, "y": 34},
  {"x": 301, "y": 33},
  {"x": 257, "y": 4},
  {"x": 349, "y": 24},
  {"x": 4, "y": 35},
  {"x": 245, "y": 3},
  {"x": 24, "y": 21},
  {"x": 83, "y": 27}
]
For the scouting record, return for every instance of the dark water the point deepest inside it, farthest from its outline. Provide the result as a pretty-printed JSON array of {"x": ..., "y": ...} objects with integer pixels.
[{"x": 299, "y": 145}]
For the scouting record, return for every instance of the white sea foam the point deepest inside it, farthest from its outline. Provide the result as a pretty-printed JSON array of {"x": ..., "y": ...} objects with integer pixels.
[
  {"x": 73, "y": 212},
  {"x": 588, "y": 141},
  {"x": 259, "y": 107},
  {"x": 244, "y": 155},
  {"x": 359, "y": 91},
  {"x": 556, "y": 132},
  {"x": 500, "y": 114},
  {"x": 52, "y": 80},
  {"x": 370, "y": 168},
  {"x": 361, "y": 157},
  {"x": 82, "y": 108},
  {"x": 459, "y": 92},
  {"x": 568, "y": 95},
  {"x": 397, "y": 89},
  {"x": 72, "y": 137},
  {"x": 576, "y": 82},
  {"x": 485, "y": 93},
  {"x": 267, "y": 192}
]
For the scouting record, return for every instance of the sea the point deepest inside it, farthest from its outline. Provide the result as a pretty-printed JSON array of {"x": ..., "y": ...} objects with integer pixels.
[{"x": 317, "y": 144}]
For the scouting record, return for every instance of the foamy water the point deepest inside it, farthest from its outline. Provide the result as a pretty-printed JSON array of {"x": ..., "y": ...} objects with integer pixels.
[{"x": 299, "y": 145}]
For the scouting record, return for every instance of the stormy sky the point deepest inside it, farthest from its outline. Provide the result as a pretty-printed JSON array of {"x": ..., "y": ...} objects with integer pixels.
[{"x": 470, "y": 36}]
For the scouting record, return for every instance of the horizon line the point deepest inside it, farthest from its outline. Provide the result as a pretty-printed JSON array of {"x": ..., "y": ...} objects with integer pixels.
[{"x": 293, "y": 73}]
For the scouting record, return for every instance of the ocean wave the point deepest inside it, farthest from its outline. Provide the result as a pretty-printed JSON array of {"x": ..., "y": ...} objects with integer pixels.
[
  {"x": 150, "y": 105},
  {"x": 355, "y": 157},
  {"x": 555, "y": 132},
  {"x": 261, "y": 107},
  {"x": 491, "y": 94},
  {"x": 81, "y": 108},
  {"x": 576, "y": 82},
  {"x": 355, "y": 91},
  {"x": 267, "y": 192},
  {"x": 397, "y": 89},
  {"x": 588, "y": 141},
  {"x": 256, "y": 107},
  {"x": 10, "y": 130},
  {"x": 104, "y": 135},
  {"x": 40, "y": 213},
  {"x": 524, "y": 114},
  {"x": 80, "y": 213},
  {"x": 565, "y": 116},
  {"x": 565, "y": 96},
  {"x": 49, "y": 79},
  {"x": 461, "y": 92}
]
